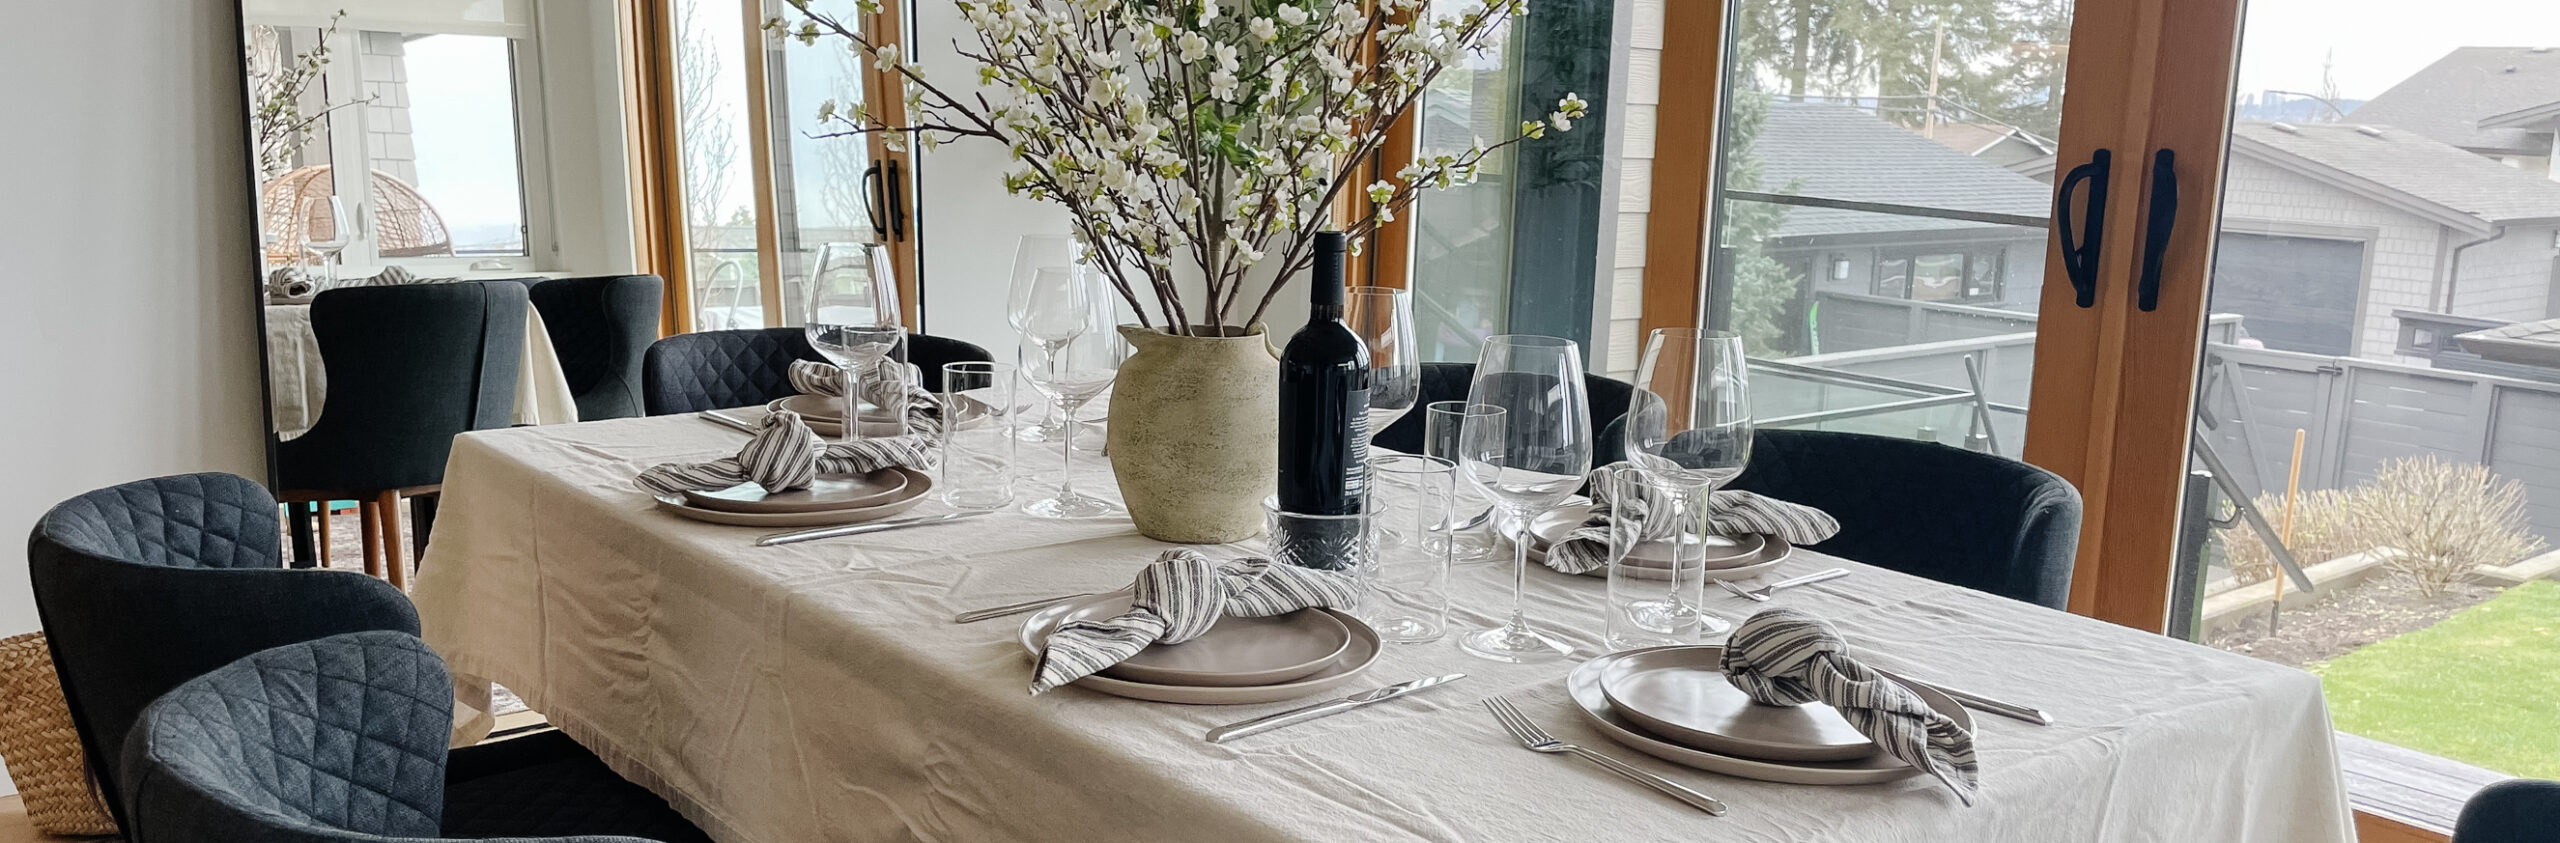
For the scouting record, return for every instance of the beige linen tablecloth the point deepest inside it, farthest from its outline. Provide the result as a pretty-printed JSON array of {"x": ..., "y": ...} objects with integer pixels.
[
  {"x": 298, "y": 383},
  {"x": 820, "y": 691}
]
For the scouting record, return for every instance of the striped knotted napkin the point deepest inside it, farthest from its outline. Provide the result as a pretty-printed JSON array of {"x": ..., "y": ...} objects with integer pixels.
[
  {"x": 1177, "y": 598},
  {"x": 1729, "y": 513},
  {"x": 1787, "y": 657},
  {"x": 785, "y": 455}
]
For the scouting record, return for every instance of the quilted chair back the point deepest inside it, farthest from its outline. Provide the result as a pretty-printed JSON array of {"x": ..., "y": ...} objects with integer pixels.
[
  {"x": 145, "y": 585},
  {"x": 1451, "y": 382},
  {"x": 409, "y": 368},
  {"x": 1955, "y": 516},
  {"x": 600, "y": 326},
  {"x": 712, "y": 370}
]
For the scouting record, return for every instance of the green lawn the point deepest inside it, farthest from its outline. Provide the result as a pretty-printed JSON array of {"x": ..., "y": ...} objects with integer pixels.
[{"x": 2481, "y": 687}]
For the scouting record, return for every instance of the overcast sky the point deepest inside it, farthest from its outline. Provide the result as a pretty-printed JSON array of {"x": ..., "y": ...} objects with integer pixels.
[{"x": 2378, "y": 42}]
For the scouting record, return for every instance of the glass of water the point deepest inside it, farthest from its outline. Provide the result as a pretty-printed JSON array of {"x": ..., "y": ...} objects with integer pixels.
[
  {"x": 1657, "y": 577},
  {"x": 1408, "y": 600},
  {"x": 979, "y": 411},
  {"x": 1471, "y": 535}
]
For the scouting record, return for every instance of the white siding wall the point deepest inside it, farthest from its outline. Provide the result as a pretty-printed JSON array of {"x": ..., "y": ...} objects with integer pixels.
[
  {"x": 2507, "y": 278},
  {"x": 1635, "y": 193},
  {"x": 2403, "y": 257}
]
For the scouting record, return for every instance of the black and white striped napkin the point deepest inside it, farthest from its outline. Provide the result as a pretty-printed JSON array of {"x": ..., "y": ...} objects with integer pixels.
[
  {"x": 785, "y": 455},
  {"x": 1729, "y": 513},
  {"x": 1784, "y": 656},
  {"x": 1177, "y": 598}
]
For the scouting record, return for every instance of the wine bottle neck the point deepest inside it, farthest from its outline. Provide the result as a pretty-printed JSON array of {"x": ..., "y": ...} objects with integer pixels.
[{"x": 1325, "y": 312}]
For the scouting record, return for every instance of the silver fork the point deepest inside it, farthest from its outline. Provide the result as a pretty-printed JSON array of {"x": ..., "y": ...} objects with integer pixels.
[{"x": 1538, "y": 740}]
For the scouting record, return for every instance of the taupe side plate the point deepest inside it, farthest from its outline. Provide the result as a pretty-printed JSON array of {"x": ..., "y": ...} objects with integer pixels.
[
  {"x": 1720, "y": 551},
  {"x": 1681, "y": 694},
  {"x": 1584, "y": 685},
  {"x": 919, "y": 486},
  {"x": 1344, "y": 670},
  {"x": 1235, "y": 652},
  {"x": 830, "y": 492}
]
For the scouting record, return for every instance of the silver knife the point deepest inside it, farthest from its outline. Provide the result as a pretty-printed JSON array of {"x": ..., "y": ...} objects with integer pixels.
[
  {"x": 1988, "y": 705},
  {"x": 816, "y": 533},
  {"x": 1327, "y": 708},
  {"x": 728, "y": 421}
]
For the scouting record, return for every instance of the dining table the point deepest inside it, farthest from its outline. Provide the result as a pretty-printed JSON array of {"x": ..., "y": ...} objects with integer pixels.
[{"x": 821, "y": 691}]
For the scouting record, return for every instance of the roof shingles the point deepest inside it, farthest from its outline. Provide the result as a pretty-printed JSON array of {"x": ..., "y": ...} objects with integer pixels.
[
  {"x": 2413, "y": 167},
  {"x": 2447, "y": 100}
]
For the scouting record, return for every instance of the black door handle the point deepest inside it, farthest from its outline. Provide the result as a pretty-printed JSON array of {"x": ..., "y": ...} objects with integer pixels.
[
  {"x": 892, "y": 186},
  {"x": 2163, "y": 218},
  {"x": 871, "y": 201},
  {"x": 2079, "y": 247}
]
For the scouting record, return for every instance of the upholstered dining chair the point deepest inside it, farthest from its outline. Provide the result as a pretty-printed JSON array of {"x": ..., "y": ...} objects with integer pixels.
[
  {"x": 1976, "y": 520},
  {"x": 341, "y": 740},
  {"x": 144, "y": 585},
  {"x": 712, "y": 370},
  {"x": 409, "y": 368},
  {"x": 2511, "y": 811},
  {"x": 600, "y": 326},
  {"x": 1451, "y": 381}
]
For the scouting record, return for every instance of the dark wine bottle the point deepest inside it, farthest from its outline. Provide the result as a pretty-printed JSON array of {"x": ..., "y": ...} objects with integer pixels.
[{"x": 1324, "y": 435}]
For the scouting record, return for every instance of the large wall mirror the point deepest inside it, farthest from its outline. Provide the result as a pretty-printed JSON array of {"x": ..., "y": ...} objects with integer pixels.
[{"x": 444, "y": 192}]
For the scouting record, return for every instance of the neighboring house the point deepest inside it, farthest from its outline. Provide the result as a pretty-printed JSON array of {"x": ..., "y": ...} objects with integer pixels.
[
  {"x": 2328, "y": 228},
  {"x": 2007, "y": 146},
  {"x": 1841, "y": 153},
  {"x": 2498, "y": 102}
]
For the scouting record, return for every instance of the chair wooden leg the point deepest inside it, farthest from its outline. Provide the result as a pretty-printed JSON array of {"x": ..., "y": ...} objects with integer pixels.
[
  {"x": 323, "y": 516},
  {"x": 372, "y": 517},
  {"x": 388, "y": 503}
]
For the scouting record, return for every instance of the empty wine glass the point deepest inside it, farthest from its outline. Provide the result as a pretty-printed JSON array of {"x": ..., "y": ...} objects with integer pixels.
[
  {"x": 854, "y": 320},
  {"x": 1075, "y": 364},
  {"x": 314, "y": 211},
  {"x": 1687, "y": 431},
  {"x": 1032, "y": 254},
  {"x": 1526, "y": 460},
  {"x": 1382, "y": 317}
]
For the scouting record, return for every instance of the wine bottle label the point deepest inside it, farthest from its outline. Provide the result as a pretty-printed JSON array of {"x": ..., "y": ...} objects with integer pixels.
[{"x": 1355, "y": 482}]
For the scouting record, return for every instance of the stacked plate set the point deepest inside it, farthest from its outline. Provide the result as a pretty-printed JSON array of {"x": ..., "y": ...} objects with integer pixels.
[
  {"x": 1725, "y": 558},
  {"x": 833, "y": 499},
  {"x": 1239, "y": 661},
  {"x": 1674, "y": 703}
]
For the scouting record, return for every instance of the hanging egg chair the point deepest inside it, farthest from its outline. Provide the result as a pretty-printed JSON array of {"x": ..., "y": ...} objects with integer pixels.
[{"x": 405, "y": 225}]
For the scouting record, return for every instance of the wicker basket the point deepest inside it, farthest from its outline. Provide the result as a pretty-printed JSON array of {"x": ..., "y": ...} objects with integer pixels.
[{"x": 40, "y": 745}]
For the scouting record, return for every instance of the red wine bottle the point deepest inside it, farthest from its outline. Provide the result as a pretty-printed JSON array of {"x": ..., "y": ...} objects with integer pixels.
[{"x": 1324, "y": 404}]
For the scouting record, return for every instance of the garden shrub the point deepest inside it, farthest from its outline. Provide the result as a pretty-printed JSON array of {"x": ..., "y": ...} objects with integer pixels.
[{"x": 2441, "y": 518}]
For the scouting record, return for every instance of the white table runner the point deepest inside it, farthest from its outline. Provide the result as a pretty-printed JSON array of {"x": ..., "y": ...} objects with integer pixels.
[{"x": 820, "y": 691}]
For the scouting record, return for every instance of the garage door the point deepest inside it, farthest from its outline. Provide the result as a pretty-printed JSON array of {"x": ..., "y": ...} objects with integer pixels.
[{"x": 2293, "y": 293}]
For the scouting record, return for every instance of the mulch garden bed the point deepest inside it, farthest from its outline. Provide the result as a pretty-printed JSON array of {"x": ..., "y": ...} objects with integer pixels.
[{"x": 2380, "y": 607}]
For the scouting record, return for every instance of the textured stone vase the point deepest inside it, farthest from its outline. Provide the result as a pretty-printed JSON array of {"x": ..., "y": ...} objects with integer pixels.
[{"x": 1194, "y": 433}]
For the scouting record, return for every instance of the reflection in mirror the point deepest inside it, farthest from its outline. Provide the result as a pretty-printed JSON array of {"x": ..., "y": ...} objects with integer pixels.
[{"x": 444, "y": 203}]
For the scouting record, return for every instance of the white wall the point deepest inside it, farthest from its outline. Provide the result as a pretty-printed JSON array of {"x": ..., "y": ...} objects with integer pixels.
[
  {"x": 128, "y": 346},
  {"x": 968, "y": 222}
]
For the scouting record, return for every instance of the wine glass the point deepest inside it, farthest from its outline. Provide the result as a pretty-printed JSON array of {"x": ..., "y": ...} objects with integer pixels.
[
  {"x": 1687, "y": 431},
  {"x": 1074, "y": 364},
  {"x": 854, "y": 320},
  {"x": 1526, "y": 459},
  {"x": 1033, "y": 253},
  {"x": 325, "y": 209},
  {"x": 1382, "y": 317}
]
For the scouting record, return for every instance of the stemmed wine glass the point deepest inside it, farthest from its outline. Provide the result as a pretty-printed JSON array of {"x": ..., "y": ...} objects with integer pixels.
[
  {"x": 1076, "y": 363},
  {"x": 1382, "y": 317},
  {"x": 1032, "y": 254},
  {"x": 1687, "y": 431},
  {"x": 1526, "y": 459},
  {"x": 313, "y": 209},
  {"x": 854, "y": 320}
]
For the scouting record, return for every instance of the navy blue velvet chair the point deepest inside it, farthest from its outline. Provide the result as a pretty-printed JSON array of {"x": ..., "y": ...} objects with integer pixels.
[
  {"x": 1451, "y": 381},
  {"x": 601, "y": 326},
  {"x": 1959, "y": 517},
  {"x": 2512, "y": 811},
  {"x": 144, "y": 586},
  {"x": 337, "y": 740},
  {"x": 713, "y": 370}
]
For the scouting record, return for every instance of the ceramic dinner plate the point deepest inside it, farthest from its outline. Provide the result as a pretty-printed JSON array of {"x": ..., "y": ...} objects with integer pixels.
[
  {"x": 1343, "y": 670},
  {"x": 1773, "y": 552},
  {"x": 1681, "y": 694},
  {"x": 919, "y": 486},
  {"x": 1584, "y": 685},
  {"x": 828, "y": 493},
  {"x": 1720, "y": 551},
  {"x": 832, "y": 423},
  {"x": 1235, "y": 652}
]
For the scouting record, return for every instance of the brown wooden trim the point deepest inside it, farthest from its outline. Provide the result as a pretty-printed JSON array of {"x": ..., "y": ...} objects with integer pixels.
[
  {"x": 657, "y": 170},
  {"x": 2376, "y": 828},
  {"x": 760, "y": 162},
  {"x": 884, "y": 95},
  {"x": 1390, "y": 248},
  {"x": 1685, "y": 162}
]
